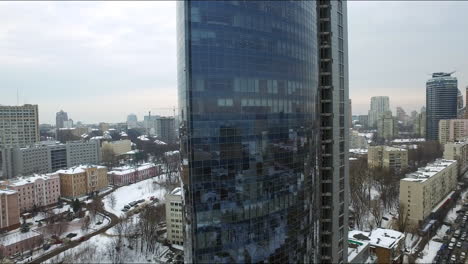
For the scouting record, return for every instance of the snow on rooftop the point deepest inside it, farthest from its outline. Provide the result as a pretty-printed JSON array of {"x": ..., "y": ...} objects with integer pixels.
[
  {"x": 358, "y": 151},
  {"x": 430, "y": 170},
  {"x": 389, "y": 148},
  {"x": 380, "y": 237},
  {"x": 4, "y": 191},
  {"x": 159, "y": 142},
  {"x": 408, "y": 140},
  {"x": 123, "y": 134},
  {"x": 27, "y": 180},
  {"x": 177, "y": 191},
  {"x": 356, "y": 244},
  {"x": 143, "y": 138},
  {"x": 15, "y": 237},
  {"x": 79, "y": 169},
  {"x": 170, "y": 153},
  {"x": 129, "y": 169}
]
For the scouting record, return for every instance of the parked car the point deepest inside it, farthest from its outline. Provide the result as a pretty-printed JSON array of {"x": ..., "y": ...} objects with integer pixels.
[
  {"x": 459, "y": 244},
  {"x": 462, "y": 256},
  {"x": 125, "y": 210},
  {"x": 127, "y": 207},
  {"x": 453, "y": 258},
  {"x": 451, "y": 246},
  {"x": 71, "y": 235}
]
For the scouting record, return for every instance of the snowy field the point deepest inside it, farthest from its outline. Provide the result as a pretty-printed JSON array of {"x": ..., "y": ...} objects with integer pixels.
[
  {"x": 101, "y": 249},
  {"x": 140, "y": 190}
]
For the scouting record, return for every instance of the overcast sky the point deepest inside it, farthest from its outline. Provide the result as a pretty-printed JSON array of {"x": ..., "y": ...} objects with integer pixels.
[{"x": 100, "y": 61}]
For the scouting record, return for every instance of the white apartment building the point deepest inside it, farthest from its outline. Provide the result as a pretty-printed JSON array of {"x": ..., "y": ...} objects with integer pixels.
[
  {"x": 452, "y": 130},
  {"x": 174, "y": 223},
  {"x": 457, "y": 151},
  {"x": 422, "y": 190}
]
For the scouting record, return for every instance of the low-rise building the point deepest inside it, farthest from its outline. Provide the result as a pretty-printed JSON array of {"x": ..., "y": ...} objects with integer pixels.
[
  {"x": 457, "y": 151},
  {"x": 386, "y": 244},
  {"x": 131, "y": 174},
  {"x": 81, "y": 180},
  {"x": 174, "y": 222},
  {"x": 452, "y": 130},
  {"x": 421, "y": 191},
  {"x": 36, "y": 191},
  {"x": 17, "y": 242},
  {"x": 118, "y": 147},
  {"x": 357, "y": 140},
  {"x": 386, "y": 157},
  {"x": 9, "y": 210},
  {"x": 359, "y": 249}
]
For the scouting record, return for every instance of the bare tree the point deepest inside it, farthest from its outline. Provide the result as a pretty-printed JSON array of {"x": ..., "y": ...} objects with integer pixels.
[
  {"x": 112, "y": 200},
  {"x": 95, "y": 206},
  {"x": 402, "y": 220},
  {"x": 85, "y": 225},
  {"x": 376, "y": 210}
]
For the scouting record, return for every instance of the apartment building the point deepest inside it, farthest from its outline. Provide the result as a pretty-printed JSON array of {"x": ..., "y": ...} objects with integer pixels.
[
  {"x": 47, "y": 157},
  {"x": 387, "y": 127},
  {"x": 34, "y": 192},
  {"x": 18, "y": 242},
  {"x": 131, "y": 174},
  {"x": 422, "y": 190},
  {"x": 452, "y": 130},
  {"x": 118, "y": 147},
  {"x": 357, "y": 140},
  {"x": 9, "y": 210},
  {"x": 386, "y": 157},
  {"x": 174, "y": 222},
  {"x": 81, "y": 180},
  {"x": 457, "y": 151},
  {"x": 19, "y": 125}
]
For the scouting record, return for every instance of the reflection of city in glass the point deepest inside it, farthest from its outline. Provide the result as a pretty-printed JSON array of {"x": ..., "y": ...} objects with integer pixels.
[
  {"x": 248, "y": 83},
  {"x": 441, "y": 102}
]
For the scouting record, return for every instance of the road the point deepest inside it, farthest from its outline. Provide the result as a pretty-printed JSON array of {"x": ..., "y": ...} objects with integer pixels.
[{"x": 113, "y": 221}]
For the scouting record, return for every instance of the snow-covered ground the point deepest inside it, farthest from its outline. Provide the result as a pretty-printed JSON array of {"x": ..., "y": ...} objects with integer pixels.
[
  {"x": 100, "y": 248},
  {"x": 140, "y": 190},
  {"x": 429, "y": 252}
]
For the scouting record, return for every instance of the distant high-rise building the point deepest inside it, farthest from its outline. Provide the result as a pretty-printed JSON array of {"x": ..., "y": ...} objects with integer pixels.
[
  {"x": 441, "y": 102},
  {"x": 459, "y": 100},
  {"x": 452, "y": 130},
  {"x": 60, "y": 118},
  {"x": 249, "y": 134},
  {"x": 19, "y": 125},
  {"x": 150, "y": 125},
  {"x": 132, "y": 121},
  {"x": 379, "y": 105},
  {"x": 419, "y": 124},
  {"x": 165, "y": 129},
  {"x": 387, "y": 127},
  {"x": 363, "y": 120}
]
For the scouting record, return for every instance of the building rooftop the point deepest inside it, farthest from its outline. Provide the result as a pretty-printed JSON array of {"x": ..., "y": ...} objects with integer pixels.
[
  {"x": 380, "y": 237},
  {"x": 389, "y": 148},
  {"x": 27, "y": 180},
  {"x": 177, "y": 191},
  {"x": 408, "y": 140},
  {"x": 358, "y": 151},
  {"x": 4, "y": 191},
  {"x": 79, "y": 169},
  {"x": 17, "y": 236},
  {"x": 356, "y": 244},
  {"x": 430, "y": 170},
  {"x": 129, "y": 169}
]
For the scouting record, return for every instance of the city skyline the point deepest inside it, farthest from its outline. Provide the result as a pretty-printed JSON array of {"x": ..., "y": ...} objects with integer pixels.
[{"x": 126, "y": 64}]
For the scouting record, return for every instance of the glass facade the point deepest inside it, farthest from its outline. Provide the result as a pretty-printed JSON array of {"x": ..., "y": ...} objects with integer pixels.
[
  {"x": 248, "y": 82},
  {"x": 441, "y": 102}
]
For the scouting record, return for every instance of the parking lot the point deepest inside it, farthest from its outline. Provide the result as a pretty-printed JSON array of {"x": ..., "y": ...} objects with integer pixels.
[{"x": 455, "y": 242}]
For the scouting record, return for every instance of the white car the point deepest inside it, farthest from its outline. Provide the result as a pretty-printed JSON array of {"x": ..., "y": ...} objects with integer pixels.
[
  {"x": 450, "y": 246},
  {"x": 453, "y": 258},
  {"x": 462, "y": 255},
  {"x": 453, "y": 240},
  {"x": 459, "y": 244}
]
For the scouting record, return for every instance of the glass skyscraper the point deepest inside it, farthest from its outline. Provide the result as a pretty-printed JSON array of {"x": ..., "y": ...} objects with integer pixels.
[
  {"x": 441, "y": 102},
  {"x": 248, "y": 84}
]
